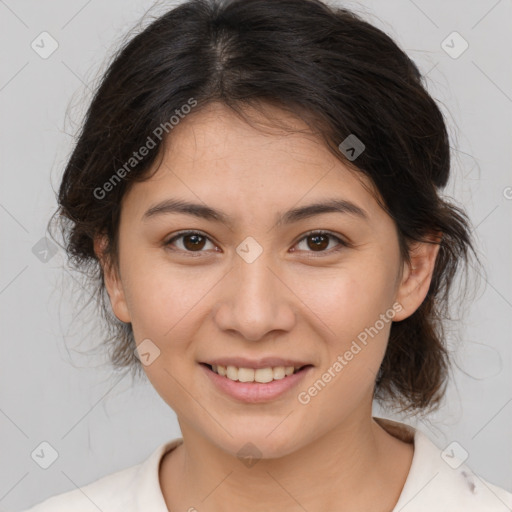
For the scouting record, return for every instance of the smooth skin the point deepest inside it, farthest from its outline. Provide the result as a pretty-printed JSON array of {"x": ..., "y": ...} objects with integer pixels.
[{"x": 203, "y": 301}]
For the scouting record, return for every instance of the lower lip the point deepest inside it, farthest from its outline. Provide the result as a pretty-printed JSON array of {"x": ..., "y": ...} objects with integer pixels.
[{"x": 255, "y": 392}]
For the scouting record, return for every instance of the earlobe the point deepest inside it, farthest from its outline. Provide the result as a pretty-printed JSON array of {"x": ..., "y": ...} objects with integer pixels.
[
  {"x": 417, "y": 276},
  {"x": 112, "y": 280}
]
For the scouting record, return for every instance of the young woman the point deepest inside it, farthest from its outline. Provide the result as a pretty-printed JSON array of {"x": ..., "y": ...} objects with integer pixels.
[{"x": 256, "y": 192}]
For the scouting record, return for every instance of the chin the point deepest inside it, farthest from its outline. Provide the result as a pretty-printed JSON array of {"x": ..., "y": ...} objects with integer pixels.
[{"x": 266, "y": 442}]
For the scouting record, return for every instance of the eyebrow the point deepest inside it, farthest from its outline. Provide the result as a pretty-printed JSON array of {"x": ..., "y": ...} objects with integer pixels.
[{"x": 201, "y": 211}]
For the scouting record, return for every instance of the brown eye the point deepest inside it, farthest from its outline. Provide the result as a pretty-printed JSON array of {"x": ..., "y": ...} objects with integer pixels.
[
  {"x": 318, "y": 241},
  {"x": 191, "y": 241}
]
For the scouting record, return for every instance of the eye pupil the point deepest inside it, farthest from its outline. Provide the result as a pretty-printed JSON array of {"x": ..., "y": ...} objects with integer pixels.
[
  {"x": 317, "y": 244},
  {"x": 195, "y": 244}
]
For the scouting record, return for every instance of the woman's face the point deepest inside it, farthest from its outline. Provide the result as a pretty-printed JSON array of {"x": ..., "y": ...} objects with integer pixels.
[{"x": 255, "y": 288}]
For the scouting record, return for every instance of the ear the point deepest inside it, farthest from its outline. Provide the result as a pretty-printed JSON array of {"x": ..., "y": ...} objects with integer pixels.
[
  {"x": 112, "y": 280},
  {"x": 417, "y": 276}
]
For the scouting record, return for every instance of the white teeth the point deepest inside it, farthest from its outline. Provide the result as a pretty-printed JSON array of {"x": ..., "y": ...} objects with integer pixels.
[
  {"x": 279, "y": 372},
  {"x": 232, "y": 373},
  {"x": 246, "y": 374},
  {"x": 289, "y": 370},
  {"x": 262, "y": 375}
]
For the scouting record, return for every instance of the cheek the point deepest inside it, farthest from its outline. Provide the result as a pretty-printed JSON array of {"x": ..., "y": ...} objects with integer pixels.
[
  {"x": 354, "y": 300},
  {"x": 158, "y": 295},
  {"x": 359, "y": 315},
  {"x": 357, "y": 307},
  {"x": 161, "y": 301}
]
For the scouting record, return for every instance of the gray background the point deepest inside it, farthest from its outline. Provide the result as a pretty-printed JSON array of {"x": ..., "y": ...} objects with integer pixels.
[{"x": 50, "y": 391}]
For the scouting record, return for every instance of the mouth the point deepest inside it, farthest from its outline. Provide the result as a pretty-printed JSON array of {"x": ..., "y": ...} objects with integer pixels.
[
  {"x": 255, "y": 385},
  {"x": 255, "y": 375}
]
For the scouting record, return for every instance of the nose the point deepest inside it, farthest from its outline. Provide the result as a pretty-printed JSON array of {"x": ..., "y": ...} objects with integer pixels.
[{"x": 255, "y": 300}]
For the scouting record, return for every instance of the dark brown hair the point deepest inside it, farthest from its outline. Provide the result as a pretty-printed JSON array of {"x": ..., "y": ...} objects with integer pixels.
[{"x": 327, "y": 66}]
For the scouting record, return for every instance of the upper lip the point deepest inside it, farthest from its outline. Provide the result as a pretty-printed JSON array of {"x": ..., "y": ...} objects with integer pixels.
[{"x": 265, "y": 362}]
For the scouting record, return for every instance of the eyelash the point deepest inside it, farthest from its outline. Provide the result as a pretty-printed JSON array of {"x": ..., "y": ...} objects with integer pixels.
[{"x": 342, "y": 244}]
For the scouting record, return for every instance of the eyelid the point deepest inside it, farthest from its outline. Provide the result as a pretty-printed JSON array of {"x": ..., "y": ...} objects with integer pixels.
[{"x": 342, "y": 243}]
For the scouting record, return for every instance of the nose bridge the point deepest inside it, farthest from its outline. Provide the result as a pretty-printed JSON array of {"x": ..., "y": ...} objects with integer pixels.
[{"x": 256, "y": 301}]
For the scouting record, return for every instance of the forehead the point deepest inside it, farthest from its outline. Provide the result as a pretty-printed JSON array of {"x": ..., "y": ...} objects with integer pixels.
[{"x": 216, "y": 157}]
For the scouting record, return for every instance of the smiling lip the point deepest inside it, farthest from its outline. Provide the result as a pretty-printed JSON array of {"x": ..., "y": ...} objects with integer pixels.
[{"x": 255, "y": 392}]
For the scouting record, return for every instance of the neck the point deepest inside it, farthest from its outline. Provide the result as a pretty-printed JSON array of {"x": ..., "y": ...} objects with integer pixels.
[{"x": 358, "y": 465}]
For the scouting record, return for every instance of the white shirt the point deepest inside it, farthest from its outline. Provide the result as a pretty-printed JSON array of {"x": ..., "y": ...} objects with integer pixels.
[{"x": 432, "y": 485}]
